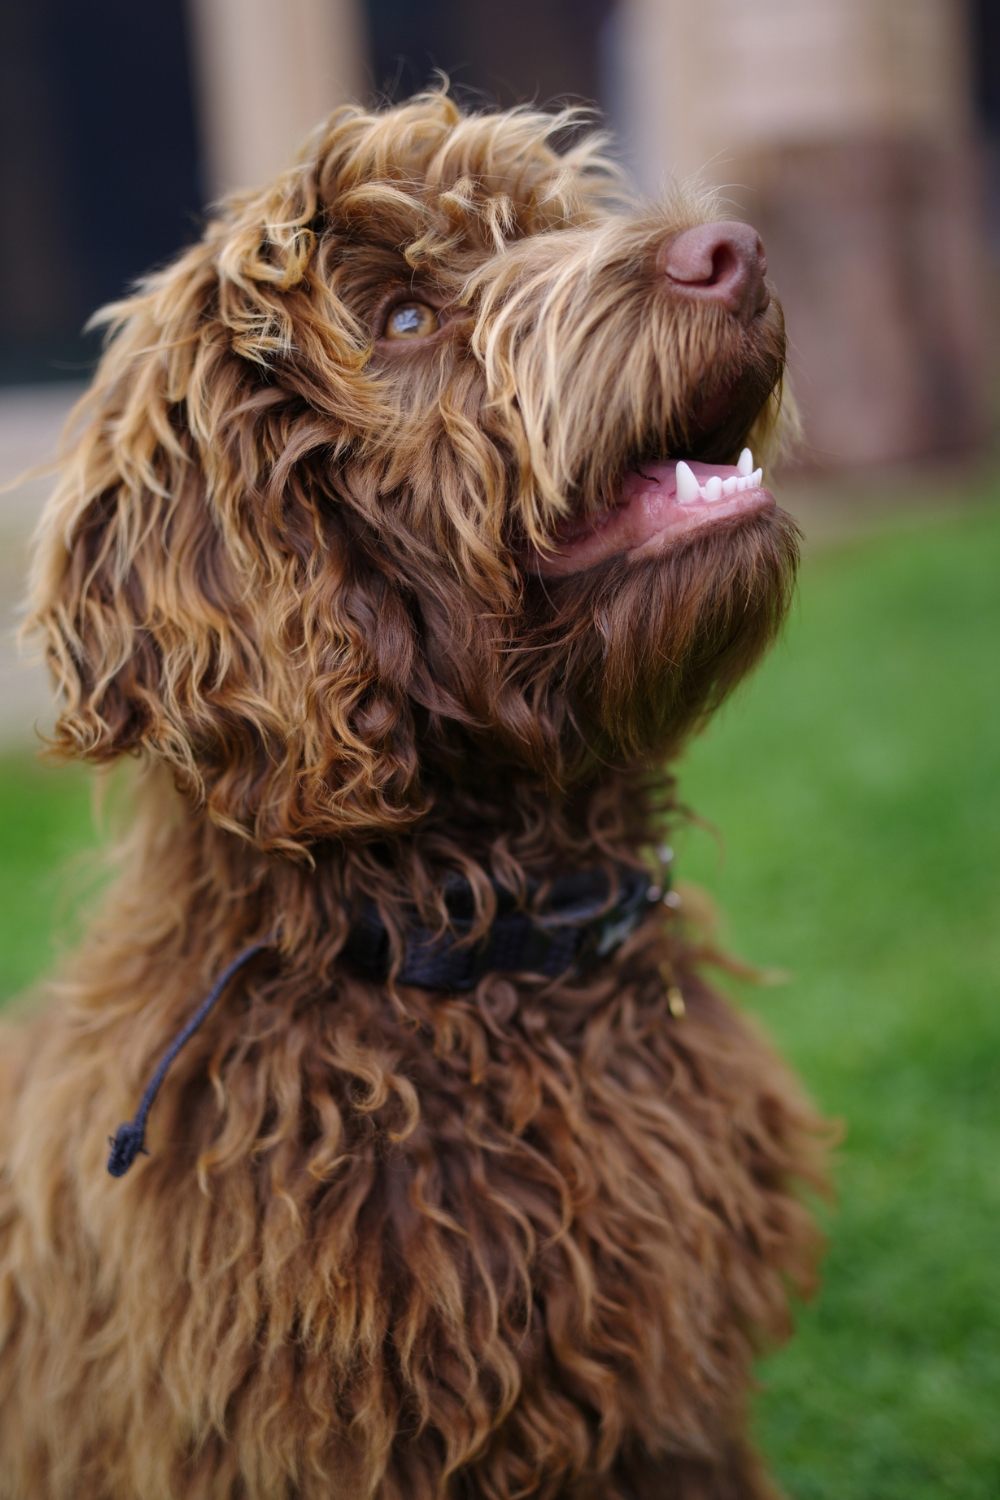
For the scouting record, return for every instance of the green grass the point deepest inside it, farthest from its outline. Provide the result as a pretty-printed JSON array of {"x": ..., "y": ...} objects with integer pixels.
[
  {"x": 857, "y": 783},
  {"x": 45, "y": 825}
]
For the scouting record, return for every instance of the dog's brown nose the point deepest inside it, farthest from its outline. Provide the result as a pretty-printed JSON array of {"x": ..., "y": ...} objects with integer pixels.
[{"x": 722, "y": 263}]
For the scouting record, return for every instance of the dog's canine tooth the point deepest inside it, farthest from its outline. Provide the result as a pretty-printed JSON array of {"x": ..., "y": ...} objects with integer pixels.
[
  {"x": 744, "y": 464},
  {"x": 688, "y": 488},
  {"x": 756, "y": 477},
  {"x": 712, "y": 489}
]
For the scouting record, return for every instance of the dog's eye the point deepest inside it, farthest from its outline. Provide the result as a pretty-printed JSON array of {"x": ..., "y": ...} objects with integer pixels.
[{"x": 411, "y": 320}]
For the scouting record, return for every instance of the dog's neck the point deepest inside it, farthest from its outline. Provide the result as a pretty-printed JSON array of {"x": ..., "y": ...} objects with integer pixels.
[
  {"x": 230, "y": 893},
  {"x": 547, "y": 890}
]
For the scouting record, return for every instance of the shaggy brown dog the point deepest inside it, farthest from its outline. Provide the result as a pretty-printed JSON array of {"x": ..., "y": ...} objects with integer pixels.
[{"x": 372, "y": 549}]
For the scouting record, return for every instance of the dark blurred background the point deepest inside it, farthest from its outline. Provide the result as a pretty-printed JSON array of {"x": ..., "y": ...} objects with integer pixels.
[{"x": 99, "y": 166}]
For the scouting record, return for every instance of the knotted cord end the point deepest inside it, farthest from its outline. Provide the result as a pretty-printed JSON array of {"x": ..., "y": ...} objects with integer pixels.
[
  {"x": 126, "y": 1144},
  {"x": 127, "y": 1141}
]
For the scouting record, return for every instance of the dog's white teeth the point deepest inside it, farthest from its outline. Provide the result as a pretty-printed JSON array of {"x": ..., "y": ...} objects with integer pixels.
[
  {"x": 687, "y": 486},
  {"x": 689, "y": 490}
]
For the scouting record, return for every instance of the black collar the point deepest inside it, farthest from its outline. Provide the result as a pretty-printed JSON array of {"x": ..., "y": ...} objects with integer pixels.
[
  {"x": 584, "y": 916},
  {"x": 581, "y": 917}
]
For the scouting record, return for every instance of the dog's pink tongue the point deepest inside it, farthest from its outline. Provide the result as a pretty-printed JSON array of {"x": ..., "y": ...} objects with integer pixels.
[{"x": 663, "y": 477}]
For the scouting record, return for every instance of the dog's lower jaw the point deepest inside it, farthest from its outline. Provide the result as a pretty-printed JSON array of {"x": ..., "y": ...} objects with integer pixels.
[{"x": 655, "y": 640}]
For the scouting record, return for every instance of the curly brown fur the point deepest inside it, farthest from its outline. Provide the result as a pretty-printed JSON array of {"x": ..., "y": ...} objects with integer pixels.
[{"x": 393, "y": 1242}]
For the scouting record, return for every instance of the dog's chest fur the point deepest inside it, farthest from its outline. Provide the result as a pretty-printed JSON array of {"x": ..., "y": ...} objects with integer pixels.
[{"x": 525, "y": 1228}]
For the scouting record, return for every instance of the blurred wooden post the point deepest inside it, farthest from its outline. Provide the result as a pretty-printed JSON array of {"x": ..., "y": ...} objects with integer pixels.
[
  {"x": 268, "y": 71},
  {"x": 842, "y": 129}
]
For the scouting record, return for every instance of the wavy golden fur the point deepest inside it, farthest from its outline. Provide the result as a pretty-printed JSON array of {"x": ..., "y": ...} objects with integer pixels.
[{"x": 395, "y": 1242}]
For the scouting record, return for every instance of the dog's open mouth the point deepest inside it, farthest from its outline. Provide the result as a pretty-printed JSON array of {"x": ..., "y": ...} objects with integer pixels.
[{"x": 656, "y": 504}]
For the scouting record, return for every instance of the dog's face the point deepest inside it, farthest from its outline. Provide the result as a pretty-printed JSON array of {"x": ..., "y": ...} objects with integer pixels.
[{"x": 379, "y": 492}]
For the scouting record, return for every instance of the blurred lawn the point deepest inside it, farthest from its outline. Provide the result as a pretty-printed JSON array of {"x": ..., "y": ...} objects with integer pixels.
[
  {"x": 857, "y": 782},
  {"x": 45, "y": 826}
]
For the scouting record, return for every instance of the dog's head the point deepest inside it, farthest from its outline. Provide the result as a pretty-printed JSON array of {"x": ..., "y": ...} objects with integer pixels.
[{"x": 377, "y": 488}]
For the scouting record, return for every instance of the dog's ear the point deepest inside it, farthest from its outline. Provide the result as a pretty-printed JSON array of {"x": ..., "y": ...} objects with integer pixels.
[{"x": 194, "y": 578}]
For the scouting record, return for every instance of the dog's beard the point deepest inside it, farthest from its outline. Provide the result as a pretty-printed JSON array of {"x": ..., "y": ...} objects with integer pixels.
[{"x": 645, "y": 649}]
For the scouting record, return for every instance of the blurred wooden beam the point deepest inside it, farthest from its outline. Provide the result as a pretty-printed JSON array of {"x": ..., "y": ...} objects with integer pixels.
[
  {"x": 708, "y": 81},
  {"x": 844, "y": 130},
  {"x": 268, "y": 71}
]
